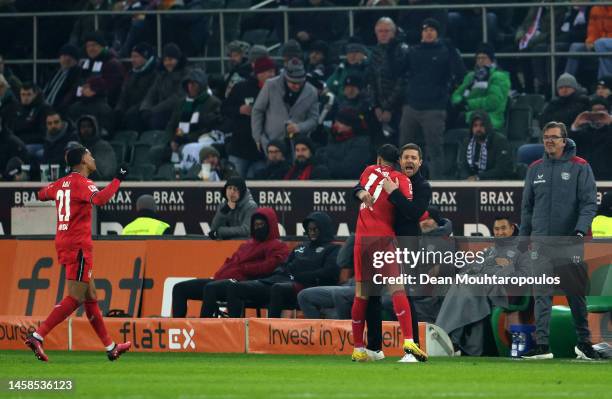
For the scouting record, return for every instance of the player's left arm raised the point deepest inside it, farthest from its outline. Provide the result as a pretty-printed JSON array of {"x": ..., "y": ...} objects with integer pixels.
[
  {"x": 47, "y": 193},
  {"x": 101, "y": 197}
]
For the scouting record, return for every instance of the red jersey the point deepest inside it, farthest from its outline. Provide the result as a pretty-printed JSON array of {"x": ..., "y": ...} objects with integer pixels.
[
  {"x": 378, "y": 220},
  {"x": 74, "y": 196}
]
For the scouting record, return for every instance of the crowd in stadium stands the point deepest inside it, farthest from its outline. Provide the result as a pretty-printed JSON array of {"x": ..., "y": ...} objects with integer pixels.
[{"x": 314, "y": 107}]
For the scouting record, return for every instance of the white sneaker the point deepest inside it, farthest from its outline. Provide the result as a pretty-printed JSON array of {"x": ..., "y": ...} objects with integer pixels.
[
  {"x": 374, "y": 356},
  {"x": 408, "y": 358}
]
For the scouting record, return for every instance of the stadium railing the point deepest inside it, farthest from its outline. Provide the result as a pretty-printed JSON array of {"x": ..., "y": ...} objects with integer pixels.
[{"x": 221, "y": 14}]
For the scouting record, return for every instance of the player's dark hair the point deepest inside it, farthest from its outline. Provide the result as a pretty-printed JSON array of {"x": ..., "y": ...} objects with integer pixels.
[
  {"x": 388, "y": 152},
  {"x": 411, "y": 146},
  {"x": 74, "y": 155}
]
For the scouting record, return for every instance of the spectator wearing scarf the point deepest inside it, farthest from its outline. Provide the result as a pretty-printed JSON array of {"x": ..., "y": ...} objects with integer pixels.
[{"x": 485, "y": 154}]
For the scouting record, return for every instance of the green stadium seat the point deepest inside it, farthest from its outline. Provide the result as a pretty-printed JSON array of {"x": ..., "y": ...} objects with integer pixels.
[{"x": 128, "y": 137}]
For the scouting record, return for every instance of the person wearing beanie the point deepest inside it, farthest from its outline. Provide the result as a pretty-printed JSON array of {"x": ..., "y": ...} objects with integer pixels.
[
  {"x": 304, "y": 165},
  {"x": 355, "y": 96},
  {"x": 166, "y": 91},
  {"x": 276, "y": 162},
  {"x": 432, "y": 67},
  {"x": 147, "y": 222},
  {"x": 286, "y": 106},
  {"x": 198, "y": 113},
  {"x": 239, "y": 66},
  {"x": 602, "y": 223},
  {"x": 290, "y": 50},
  {"x": 139, "y": 79},
  {"x": 101, "y": 62},
  {"x": 233, "y": 216},
  {"x": 94, "y": 101},
  {"x": 318, "y": 60},
  {"x": 604, "y": 87},
  {"x": 256, "y": 52},
  {"x": 237, "y": 109},
  {"x": 356, "y": 64},
  {"x": 592, "y": 133},
  {"x": 60, "y": 90},
  {"x": 568, "y": 104},
  {"x": 348, "y": 152},
  {"x": 485, "y": 88}
]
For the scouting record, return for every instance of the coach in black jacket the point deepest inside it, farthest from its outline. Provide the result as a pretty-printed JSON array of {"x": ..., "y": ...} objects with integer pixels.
[
  {"x": 310, "y": 264},
  {"x": 406, "y": 224}
]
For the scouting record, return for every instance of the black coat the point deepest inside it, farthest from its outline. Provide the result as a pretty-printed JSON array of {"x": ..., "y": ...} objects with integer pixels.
[
  {"x": 54, "y": 147},
  {"x": 312, "y": 263},
  {"x": 135, "y": 88},
  {"x": 595, "y": 145},
  {"x": 431, "y": 70},
  {"x": 61, "y": 90},
  {"x": 242, "y": 144},
  {"x": 29, "y": 123},
  {"x": 273, "y": 171},
  {"x": 564, "y": 109}
]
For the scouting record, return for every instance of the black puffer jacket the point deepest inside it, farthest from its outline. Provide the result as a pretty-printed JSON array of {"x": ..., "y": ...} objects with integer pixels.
[
  {"x": 431, "y": 70},
  {"x": 564, "y": 109},
  {"x": 312, "y": 263}
]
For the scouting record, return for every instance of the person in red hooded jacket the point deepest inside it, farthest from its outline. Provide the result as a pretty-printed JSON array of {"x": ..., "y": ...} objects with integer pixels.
[{"x": 256, "y": 258}]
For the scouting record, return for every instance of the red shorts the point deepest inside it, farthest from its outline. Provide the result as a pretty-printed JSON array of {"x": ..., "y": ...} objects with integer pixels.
[
  {"x": 78, "y": 263},
  {"x": 366, "y": 261}
]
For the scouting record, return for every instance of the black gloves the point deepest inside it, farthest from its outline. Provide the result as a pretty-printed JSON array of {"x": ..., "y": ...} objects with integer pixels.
[
  {"x": 579, "y": 233},
  {"x": 212, "y": 234},
  {"x": 122, "y": 172}
]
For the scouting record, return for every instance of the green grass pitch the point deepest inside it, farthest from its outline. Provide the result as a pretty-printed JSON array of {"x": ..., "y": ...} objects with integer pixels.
[{"x": 186, "y": 375}]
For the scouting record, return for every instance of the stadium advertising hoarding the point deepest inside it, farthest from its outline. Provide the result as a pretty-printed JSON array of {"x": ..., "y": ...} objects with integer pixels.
[{"x": 189, "y": 206}]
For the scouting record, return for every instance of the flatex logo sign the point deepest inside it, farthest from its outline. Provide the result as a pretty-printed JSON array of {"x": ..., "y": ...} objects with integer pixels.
[
  {"x": 280, "y": 201},
  {"x": 496, "y": 201},
  {"x": 180, "y": 338},
  {"x": 121, "y": 201},
  {"x": 446, "y": 201},
  {"x": 170, "y": 200},
  {"x": 329, "y": 201}
]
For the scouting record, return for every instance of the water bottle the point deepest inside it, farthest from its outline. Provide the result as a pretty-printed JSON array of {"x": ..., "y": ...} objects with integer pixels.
[
  {"x": 515, "y": 342},
  {"x": 522, "y": 339}
]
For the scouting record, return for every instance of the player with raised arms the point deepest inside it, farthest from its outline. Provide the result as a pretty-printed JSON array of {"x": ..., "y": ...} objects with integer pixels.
[
  {"x": 74, "y": 196},
  {"x": 375, "y": 232}
]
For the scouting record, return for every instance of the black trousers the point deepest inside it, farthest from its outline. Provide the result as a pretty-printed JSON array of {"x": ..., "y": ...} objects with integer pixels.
[
  {"x": 214, "y": 291},
  {"x": 191, "y": 289},
  {"x": 254, "y": 292},
  {"x": 374, "y": 323},
  {"x": 276, "y": 297}
]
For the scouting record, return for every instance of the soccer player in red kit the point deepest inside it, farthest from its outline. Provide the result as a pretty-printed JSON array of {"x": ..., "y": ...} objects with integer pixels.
[
  {"x": 375, "y": 232},
  {"x": 74, "y": 196}
]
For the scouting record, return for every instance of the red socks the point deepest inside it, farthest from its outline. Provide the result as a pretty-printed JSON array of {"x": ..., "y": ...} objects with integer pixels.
[
  {"x": 358, "y": 315},
  {"x": 61, "y": 311},
  {"x": 92, "y": 310},
  {"x": 402, "y": 311}
]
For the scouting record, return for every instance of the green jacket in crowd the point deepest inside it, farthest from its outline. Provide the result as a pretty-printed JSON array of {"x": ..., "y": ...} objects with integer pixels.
[{"x": 490, "y": 96}]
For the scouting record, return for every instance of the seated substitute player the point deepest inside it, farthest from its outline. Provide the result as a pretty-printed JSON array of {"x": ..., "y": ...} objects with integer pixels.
[
  {"x": 375, "y": 232},
  {"x": 74, "y": 196}
]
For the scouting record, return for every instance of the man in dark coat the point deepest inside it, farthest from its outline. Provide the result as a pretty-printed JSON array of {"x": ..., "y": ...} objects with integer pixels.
[
  {"x": 88, "y": 132},
  {"x": 310, "y": 264},
  {"x": 59, "y": 134},
  {"x": 61, "y": 89},
  {"x": 276, "y": 164},
  {"x": 485, "y": 154},
  {"x": 236, "y": 109},
  {"x": 567, "y": 105},
  {"x": 138, "y": 82}
]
